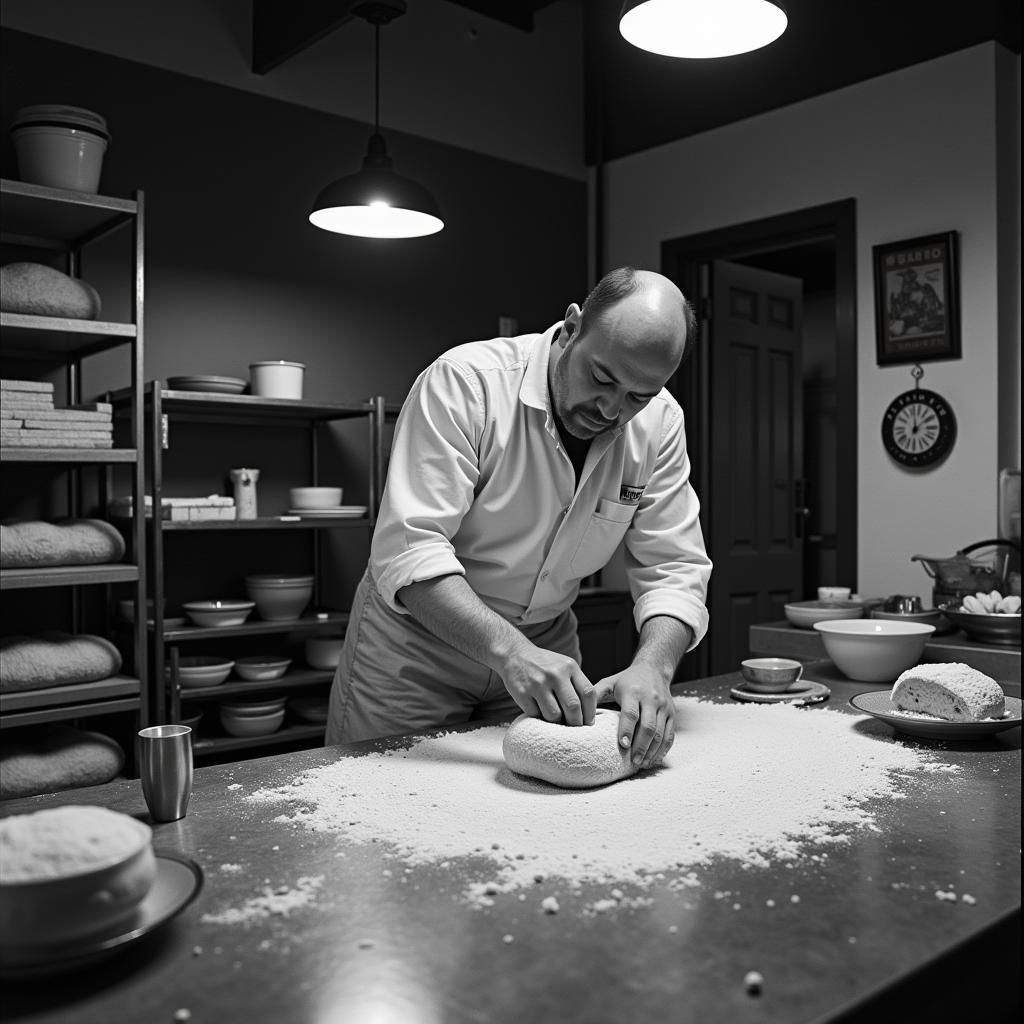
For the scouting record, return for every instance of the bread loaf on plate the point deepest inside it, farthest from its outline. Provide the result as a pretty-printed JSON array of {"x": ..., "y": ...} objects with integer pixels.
[{"x": 952, "y": 691}]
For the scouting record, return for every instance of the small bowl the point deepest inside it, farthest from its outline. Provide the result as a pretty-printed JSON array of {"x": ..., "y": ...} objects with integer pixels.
[
  {"x": 987, "y": 629},
  {"x": 251, "y": 725},
  {"x": 244, "y": 708},
  {"x": 280, "y": 598},
  {"x": 324, "y": 652},
  {"x": 73, "y": 903},
  {"x": 202, "y": 670},
  {"x": 930, "y": 617},
  {"x": 218, "y": 613},
  {"x": 770, "y": 675},
  {"x": 874, "y": 650},
  {"x": 805, "y": 614},
  {"x": 834, "y": 593},
  {"x": 258, "y": 668},
  {"x": 315, "y": 497}
]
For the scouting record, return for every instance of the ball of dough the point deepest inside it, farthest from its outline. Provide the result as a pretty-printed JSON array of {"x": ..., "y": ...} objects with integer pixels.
[{"x": 570, "y": 756}]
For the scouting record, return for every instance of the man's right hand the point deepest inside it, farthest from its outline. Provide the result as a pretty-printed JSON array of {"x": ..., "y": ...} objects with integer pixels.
[{"x": 549, "y": 685}]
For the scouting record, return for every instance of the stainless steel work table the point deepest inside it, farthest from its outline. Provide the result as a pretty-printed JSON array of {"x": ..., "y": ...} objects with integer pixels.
[{"x": 914, "y": 957}]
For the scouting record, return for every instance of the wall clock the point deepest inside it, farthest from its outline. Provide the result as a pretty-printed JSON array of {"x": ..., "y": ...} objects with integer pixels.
[{"x": 918, "y": 428}]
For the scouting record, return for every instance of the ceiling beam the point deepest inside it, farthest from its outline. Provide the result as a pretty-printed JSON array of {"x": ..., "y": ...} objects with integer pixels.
[{"x": 281, "y": 30}]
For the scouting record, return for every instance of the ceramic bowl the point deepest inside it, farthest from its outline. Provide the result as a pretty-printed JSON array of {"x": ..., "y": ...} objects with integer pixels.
[
  {"x": 259, "y": 668},
  {"x": 309, "y": 709},
  {"x": 191, "y": 715},
  {"x": 930, "y": 617},
  {"x": 770, "y": 675},
  {"x": 74, "y": 902},
  {"x": 247, "y": 708},
  {"x": 804, "y": 614},
  {"x": 315, "y": 497},
  {"x": 324, "y": 652},
  {"x": 874, "y": 650},
  {"x": 202, "y": 670},
  {"x": 251, "y": 725},
  {"x": 218, "y": 613},
  {"x": 987, "y": 629},
  {"x": 279, "y": 598}
]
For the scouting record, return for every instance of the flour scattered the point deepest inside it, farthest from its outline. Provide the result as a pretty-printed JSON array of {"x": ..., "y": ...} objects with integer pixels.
[
  {"x": 730, "y": 788},
  {"x": 280, "y": 901}
]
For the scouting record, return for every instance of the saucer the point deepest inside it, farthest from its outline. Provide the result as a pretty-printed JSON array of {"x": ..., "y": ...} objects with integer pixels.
[
  {"x": 803, "y": 691},
  {"x": 178, "y": 880}
]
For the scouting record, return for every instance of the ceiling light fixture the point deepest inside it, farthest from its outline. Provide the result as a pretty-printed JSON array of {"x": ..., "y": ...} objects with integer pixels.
[
  {"x": 375, "y": 202},
  {"x": 701, "y": 28}
]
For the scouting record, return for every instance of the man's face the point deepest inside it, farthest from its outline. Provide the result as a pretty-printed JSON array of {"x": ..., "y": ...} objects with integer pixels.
[{"x": 599, "y": 383}]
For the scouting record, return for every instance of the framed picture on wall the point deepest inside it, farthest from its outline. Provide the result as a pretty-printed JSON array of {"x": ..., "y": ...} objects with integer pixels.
[{"x": 917, "y": 300}]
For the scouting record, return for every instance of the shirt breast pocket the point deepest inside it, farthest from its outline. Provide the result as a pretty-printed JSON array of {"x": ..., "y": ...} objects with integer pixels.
[{"x": 605, "y": 530}]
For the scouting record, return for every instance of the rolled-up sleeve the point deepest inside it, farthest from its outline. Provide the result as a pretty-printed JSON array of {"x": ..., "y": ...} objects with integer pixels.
[
  {"x": 666, "y": 563},
  {"x": 433, "y": 471}
]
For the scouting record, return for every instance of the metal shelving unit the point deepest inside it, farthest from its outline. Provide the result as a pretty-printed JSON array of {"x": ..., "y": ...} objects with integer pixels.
[
  {"x": 164, "y": 407},
  {"x": 58, "y": 221}
]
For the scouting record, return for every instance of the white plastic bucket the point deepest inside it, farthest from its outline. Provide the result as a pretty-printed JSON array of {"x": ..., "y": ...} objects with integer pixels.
[
  {"x": 60, "y": 146},
  {"x": 276, "y": 378}
]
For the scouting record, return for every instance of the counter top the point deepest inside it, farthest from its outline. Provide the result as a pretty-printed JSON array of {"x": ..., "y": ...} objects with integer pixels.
[
  {"x": 782, "y": 639},
  {"x": 862, "y": 943}
]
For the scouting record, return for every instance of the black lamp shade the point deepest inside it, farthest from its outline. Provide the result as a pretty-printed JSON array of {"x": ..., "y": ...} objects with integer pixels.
[{"x": 376, "y": 202}]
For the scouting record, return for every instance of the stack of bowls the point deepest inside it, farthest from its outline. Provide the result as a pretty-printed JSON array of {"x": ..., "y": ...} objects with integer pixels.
[
  {"x": 279, "y": 598},
  {"x": 252, "y": 717}
]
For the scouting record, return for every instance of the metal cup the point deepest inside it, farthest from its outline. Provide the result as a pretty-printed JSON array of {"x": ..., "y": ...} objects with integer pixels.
[{"x": 165, "y": 768}]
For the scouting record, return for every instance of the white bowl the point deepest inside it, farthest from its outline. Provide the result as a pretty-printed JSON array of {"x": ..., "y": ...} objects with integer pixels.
[
  {"x": 276, "y": 378},
  {"x": 280, "y": 598},
  {"x": 47, "y": 899},
  {"x": 202, "y": 670},
  {"x": 324, "y": 652},
  {"x": 243, "y": 708},
  {"x": 251, "y": 725},
  {"x": 874, "y": 650},
  {"x": 218, "y": 613},
  {"x": 316, "y": 497},
  {"x": 804, "y": 614},
  {"x": 258, "y": 668}
]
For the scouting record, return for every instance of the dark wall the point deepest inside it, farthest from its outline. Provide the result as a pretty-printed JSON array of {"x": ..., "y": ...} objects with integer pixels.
[{"x": 235, "y": 273}]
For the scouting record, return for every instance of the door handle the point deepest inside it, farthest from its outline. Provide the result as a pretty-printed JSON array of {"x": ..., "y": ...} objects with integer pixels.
[{"x": 801, "y": 512}]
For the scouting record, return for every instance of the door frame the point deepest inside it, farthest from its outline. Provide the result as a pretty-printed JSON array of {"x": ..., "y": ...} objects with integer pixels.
[{"x": 682, "y": 260}]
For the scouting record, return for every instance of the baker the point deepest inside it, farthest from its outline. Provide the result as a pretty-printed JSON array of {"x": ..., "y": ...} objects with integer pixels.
[{"x": 517, "y": 468}]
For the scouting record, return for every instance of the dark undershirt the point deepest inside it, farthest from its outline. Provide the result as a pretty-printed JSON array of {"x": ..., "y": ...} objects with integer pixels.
[{"x": 575, "y": 448}]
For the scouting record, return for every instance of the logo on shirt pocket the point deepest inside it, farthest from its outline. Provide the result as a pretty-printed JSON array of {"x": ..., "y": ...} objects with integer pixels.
[{"x": 629, "y": 494}]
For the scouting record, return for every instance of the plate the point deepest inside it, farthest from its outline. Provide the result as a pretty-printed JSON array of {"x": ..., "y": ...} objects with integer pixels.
[
  {"x": 338, "y": 511},
  {"x": 877, "y": 703},
  {"x": 178, "y": 881},
  {"x": 803, "y": 691},
  {"x": 201, "y": 382}
]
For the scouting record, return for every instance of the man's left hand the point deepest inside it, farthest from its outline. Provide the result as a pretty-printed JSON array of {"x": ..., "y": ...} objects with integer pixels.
[{"x": 647, "y": 714}]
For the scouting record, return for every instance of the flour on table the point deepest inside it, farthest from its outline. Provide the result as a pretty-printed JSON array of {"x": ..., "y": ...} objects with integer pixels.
[
  {"x": 730, "y": 788},
  {"x": 281, "y": 901}
]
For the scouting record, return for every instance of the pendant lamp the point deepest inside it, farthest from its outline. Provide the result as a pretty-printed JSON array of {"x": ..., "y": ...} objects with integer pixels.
[
  {"x": 376, "y": 202},
  {"x": 701, "y": 28}
]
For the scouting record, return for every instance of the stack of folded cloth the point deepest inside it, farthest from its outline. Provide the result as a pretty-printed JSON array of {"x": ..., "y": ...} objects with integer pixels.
[{"x": 28, "y": 419}]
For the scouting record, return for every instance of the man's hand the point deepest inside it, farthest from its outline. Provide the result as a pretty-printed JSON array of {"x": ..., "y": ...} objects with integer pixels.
[
  {"x": 549, "y": 685},
  {"x": 647, "y": 714}
]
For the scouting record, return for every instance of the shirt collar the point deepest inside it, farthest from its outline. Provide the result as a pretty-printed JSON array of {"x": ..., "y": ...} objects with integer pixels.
[{"x": 534, "y": 389}]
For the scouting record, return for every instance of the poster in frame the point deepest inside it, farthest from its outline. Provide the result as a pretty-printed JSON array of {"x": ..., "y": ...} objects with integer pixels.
[{"x": 917, "y": 300}]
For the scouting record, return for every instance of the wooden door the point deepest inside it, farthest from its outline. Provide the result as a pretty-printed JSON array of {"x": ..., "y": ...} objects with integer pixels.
[{"x": 754, "y": 514}]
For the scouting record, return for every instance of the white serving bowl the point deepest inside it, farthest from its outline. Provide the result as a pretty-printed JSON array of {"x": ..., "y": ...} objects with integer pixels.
[
  {"x": 251, "y": 725},
  {"x": 202, "y": 670},
  {"x": 315, "y": 497},
  {"x": 804, "y": 614},
  {"x": 47, "y": 902},
  {"x": 279, "y": 598},
  {"x": 324, "y": 652},
  {"x": 259, "y": 668},
  {"x": 874, "y": 650},
  {"x": 218, "y": 613}
]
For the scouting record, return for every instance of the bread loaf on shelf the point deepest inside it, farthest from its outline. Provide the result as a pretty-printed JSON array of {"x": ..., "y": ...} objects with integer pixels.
[{"x": 951, "y": 691}]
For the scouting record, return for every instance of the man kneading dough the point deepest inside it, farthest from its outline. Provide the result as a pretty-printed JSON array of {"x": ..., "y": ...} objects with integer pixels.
[{"x": 518, "y": 467}]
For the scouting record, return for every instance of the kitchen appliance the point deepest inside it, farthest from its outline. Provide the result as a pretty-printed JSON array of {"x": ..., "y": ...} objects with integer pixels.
[{"x": 983, "y": 566}]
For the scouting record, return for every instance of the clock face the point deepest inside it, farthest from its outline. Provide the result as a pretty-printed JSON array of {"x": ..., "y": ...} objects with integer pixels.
[{"x": 918, "y": 428}]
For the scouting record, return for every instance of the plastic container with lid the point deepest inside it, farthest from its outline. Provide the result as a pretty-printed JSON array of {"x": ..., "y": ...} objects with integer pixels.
[{"x": 60, "y": 146}]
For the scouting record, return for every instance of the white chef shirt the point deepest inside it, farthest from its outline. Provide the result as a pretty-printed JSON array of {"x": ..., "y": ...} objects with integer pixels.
[{"x": 479, "y": 484}]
